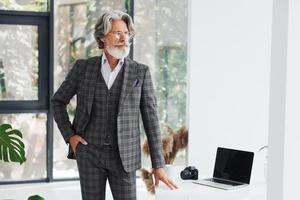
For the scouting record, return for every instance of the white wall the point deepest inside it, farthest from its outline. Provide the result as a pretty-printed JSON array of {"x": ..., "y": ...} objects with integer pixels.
[
  {"x": 229, "y": 66},
  {"x": 284, "y": 135}
]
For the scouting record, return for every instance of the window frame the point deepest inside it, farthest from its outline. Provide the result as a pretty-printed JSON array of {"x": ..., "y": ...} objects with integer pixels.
[
  {"x": 44, "y": 23},
  {"x": 41, "y": 21}
]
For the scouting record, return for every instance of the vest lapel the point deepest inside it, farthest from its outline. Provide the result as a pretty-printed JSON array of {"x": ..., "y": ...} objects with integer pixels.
[{"x": 94, "y": 68}]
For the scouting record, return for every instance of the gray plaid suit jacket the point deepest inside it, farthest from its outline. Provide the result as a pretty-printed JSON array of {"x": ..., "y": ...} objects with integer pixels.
[{"x": 137, "y": 96}]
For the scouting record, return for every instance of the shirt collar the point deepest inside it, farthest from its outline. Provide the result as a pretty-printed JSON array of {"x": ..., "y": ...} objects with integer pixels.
[{"x": 104, "y": 60}]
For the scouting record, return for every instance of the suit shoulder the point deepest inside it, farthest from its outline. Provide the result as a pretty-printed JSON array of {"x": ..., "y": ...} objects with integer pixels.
[
  {"x": 93, "y": 59},
  {"x": 82, "y": 64},
  {"x": 138, "y": 65},
  {"x": 79, "y": 63},
  {"x": 88, "y": 60}
]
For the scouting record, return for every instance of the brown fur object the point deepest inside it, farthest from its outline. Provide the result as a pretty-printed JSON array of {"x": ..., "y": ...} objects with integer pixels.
[
  {"x": 172, "y": 143},
  {"x": 148, "y": 180},
  {"x": 167, "y": 143}
]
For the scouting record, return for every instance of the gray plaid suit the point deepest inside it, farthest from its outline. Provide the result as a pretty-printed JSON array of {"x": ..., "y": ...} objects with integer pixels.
[{"x": 137, "y": 96}]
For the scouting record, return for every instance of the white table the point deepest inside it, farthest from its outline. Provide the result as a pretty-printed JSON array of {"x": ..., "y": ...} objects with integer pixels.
[{"x": 190, "y": 191}]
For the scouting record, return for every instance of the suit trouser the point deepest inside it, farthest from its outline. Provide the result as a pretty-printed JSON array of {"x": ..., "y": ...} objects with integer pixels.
[{"x": 96, "y": 165}]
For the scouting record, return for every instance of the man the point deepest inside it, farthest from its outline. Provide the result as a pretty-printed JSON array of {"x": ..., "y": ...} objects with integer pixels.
[{"x": 111, "y": 92}]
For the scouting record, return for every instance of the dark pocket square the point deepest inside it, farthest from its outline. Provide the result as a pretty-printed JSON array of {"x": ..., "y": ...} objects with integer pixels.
[{"x": 136, "y": 83}]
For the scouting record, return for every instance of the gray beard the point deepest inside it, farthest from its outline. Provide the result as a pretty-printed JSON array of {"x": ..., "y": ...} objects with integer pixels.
[{"x": 118, "y": 53}]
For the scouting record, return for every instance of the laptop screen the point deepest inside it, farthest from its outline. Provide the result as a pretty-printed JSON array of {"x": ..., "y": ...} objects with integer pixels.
[{"x": 234, "y": 165}]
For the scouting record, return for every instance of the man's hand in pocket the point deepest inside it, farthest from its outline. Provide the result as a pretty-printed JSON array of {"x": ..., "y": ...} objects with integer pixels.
[{"x": 74, "y": 140}]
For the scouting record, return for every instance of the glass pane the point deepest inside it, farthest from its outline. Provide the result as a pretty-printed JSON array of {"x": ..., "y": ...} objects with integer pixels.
[
  {"x": 18, "y": 62},
  {"x": 75, "y": 22},
  {"x": 24, "y": 5},
  {"x": 161, "y": 43},
  {"x": 33, "y": 127},
  {"x": 62, "y": 167}
]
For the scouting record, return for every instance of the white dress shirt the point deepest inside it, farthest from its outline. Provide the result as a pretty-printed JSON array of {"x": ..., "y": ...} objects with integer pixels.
[{"x": 109, "y": 76}]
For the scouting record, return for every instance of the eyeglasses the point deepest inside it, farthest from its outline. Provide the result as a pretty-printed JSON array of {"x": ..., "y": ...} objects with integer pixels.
[{"x": 118, "y": 34}]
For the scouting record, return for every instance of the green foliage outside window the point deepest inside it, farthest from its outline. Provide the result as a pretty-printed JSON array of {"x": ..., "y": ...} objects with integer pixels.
[{"x": 171, "y": 86}]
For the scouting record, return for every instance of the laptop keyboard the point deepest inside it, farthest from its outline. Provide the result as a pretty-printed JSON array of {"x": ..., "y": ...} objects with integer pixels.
[{"x": 223, "y": 181}]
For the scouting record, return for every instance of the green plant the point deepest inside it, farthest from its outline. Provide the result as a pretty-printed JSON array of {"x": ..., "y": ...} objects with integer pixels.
[
  {"x": 35, "y": 197},
  {"x": 12, "y": 149}
]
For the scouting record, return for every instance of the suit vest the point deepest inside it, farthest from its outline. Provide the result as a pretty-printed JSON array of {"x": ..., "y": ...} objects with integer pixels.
[{"x": 102, "y": 126}]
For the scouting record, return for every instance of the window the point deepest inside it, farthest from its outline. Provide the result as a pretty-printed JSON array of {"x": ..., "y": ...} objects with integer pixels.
[
  {"x": 24, "y": 90},
  {"x": 161, "y": 43},
  {"x": 33, "y": 127},
  {"x": 19, "y": 68},
  {"x": 23, "y": 71},
  {"x": 24, "y": 5}
]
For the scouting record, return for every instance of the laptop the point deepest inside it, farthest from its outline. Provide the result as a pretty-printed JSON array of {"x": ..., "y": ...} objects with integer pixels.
[{"x": 232, "y": 169}]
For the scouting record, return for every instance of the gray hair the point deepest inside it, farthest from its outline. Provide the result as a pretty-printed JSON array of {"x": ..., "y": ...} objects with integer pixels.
[{"x": 104, "y": 23}]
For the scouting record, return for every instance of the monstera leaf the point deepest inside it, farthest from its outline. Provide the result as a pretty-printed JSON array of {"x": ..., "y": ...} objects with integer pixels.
[{"x": 11, "y": 145}]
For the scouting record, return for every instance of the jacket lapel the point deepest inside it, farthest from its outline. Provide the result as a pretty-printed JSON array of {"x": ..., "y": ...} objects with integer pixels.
[
  {"x": 130, "y": 75},
  {"x": 94, "y": 68}
]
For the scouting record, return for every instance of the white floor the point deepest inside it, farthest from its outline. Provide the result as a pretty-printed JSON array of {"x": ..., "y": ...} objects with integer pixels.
[{"x": 67, "y": 190}]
